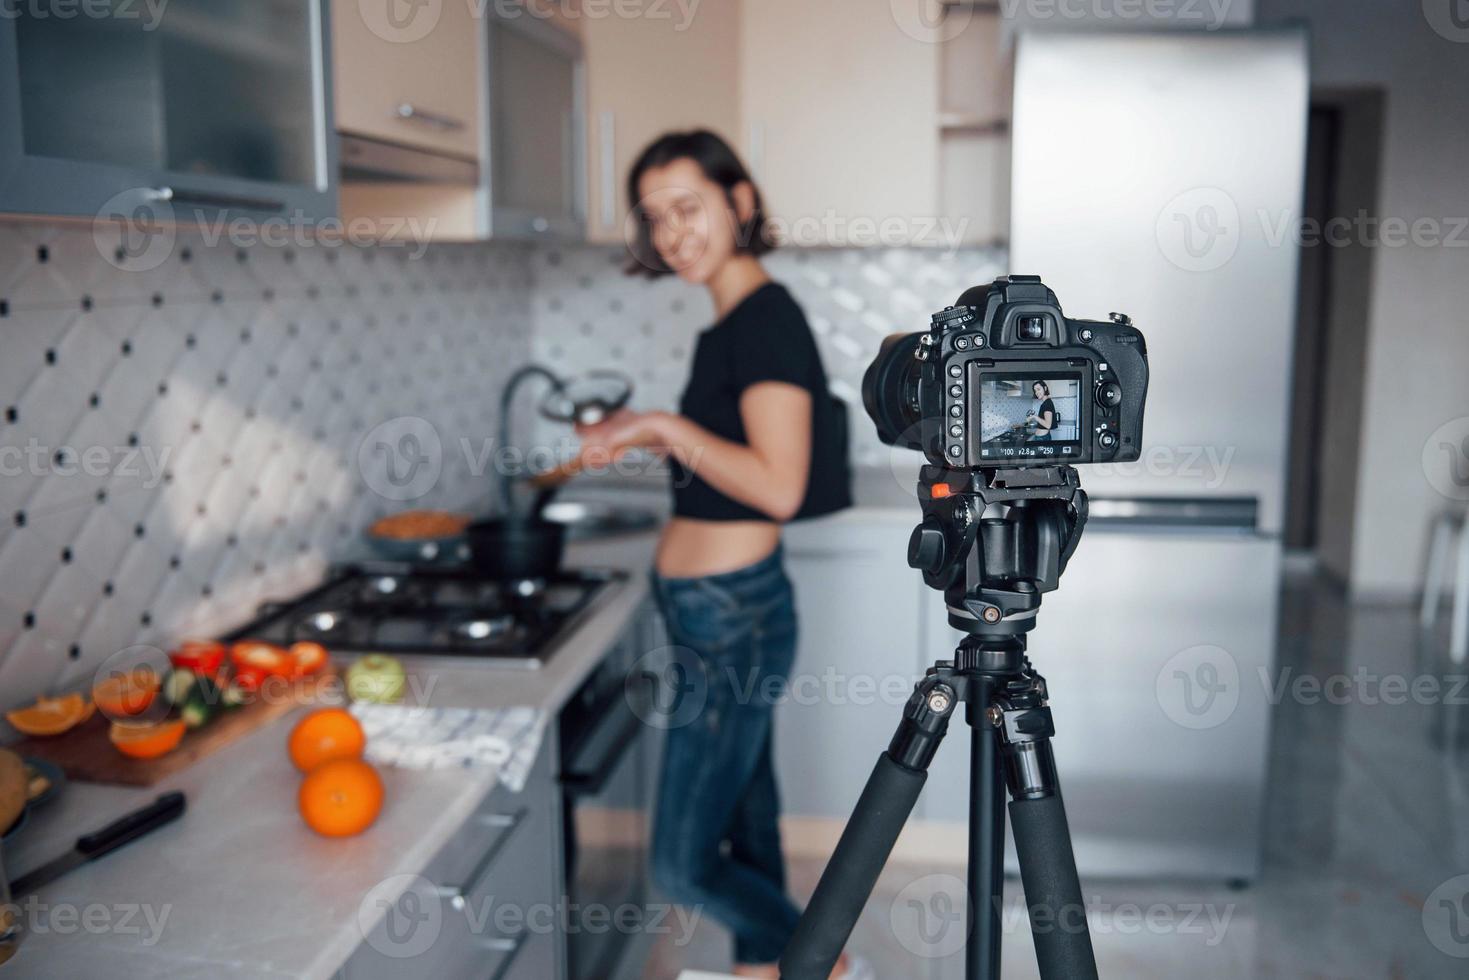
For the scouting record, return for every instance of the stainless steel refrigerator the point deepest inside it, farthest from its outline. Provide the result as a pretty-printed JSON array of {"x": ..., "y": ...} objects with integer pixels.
[{"x": 1161, "y": 174}]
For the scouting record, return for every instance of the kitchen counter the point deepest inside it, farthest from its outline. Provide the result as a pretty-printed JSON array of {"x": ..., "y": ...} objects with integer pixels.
[{"x": 240, "y": 887}]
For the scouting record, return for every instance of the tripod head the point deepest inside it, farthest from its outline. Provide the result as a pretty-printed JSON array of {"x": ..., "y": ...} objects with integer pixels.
[{"x": 994, "y": 540}]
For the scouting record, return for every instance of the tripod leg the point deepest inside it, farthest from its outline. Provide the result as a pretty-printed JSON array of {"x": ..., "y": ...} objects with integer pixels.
[
  {"x": 986, "y": 843},
  {"x": 870, "y": 834},
  {"x": 1063, "y": 943}
]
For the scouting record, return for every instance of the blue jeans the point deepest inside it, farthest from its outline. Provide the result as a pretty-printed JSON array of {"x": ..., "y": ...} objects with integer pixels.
[{"x": 737, "y": 638}]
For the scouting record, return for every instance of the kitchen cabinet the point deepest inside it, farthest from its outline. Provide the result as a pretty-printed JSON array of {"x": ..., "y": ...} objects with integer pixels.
[
  {"x": 222, "y": 104},
  {"x": 629, "y": 105},
  {"x": 858, "y": 605},
  {"x": 481, "y": 906},
  {"x": 840, "y": 105},
  {"x": 415, "y": 81},
  {"x": 536, "y": 180}
]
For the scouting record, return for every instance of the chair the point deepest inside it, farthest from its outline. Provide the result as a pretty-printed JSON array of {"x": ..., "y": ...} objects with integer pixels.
[{"x": 1446, "y": 553}]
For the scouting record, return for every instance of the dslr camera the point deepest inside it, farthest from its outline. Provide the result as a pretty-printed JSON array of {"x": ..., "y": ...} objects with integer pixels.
[{"x": 1003, "y": 379}]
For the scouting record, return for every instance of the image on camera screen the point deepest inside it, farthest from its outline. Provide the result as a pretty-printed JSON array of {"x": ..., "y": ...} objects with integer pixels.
[{"x": 1025, "y": 416}]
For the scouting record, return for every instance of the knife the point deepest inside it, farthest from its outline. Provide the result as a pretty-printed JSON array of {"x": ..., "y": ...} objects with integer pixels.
[{"x": 166, "y": 809}]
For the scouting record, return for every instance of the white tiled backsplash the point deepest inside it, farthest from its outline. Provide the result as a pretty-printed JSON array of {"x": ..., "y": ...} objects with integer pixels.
[
  {"x": 588, "y": 314},
  {"x": 181, "y": 442}
]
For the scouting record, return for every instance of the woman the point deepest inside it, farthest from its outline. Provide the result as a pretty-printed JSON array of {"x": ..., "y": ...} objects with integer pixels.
[
  {"x": 757, "y": 442},
  {"x": 1042, "y": 412}
]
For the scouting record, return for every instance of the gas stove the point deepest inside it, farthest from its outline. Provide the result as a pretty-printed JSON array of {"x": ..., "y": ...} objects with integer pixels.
[{"x": 452, "y": 612}]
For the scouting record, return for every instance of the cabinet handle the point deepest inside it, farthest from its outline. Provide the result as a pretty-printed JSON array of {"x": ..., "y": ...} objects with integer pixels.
[
  {"x": 510, "y": 947},
  {"x": 409, "y": 111},
  {"x": 458, "y": 894},
  {"x": 211, "y": 199},
  {"x": 607, "y": 149},
  {"x": 540, "y": 225}
]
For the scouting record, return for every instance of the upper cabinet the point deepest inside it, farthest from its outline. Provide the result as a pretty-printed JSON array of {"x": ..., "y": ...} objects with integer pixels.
[
  {"x": 410, "y": 74},
  {"x": 840, "y": 104},
  {"x": 645, "y": 76},
  {"x": 536, "y": 180},
  {"x": 212, "y": 104}
]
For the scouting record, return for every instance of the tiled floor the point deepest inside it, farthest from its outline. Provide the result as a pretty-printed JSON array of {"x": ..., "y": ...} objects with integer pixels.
[{"x": 1368, "y": 817}]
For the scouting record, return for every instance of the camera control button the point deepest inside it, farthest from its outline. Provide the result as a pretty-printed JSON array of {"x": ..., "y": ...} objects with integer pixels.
[
  {"x": 1109, "y": 394},
  {"x": 956, "y": 430},
  {"x": 956, "y": 451},
  {"x": 962, "y": 343},
  {"x": 956, "y": 391},
  {"x": 926, "y": 548},
  {"x": 1085, "y": 335},
  {"x": 1106, "y": 440},
  {"x": 955, "y": 371},
  {"x": 957, "y": 411}
]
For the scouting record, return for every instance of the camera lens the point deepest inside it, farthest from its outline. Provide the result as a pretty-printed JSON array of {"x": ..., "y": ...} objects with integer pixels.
[{"x": 1031, "y": 328}]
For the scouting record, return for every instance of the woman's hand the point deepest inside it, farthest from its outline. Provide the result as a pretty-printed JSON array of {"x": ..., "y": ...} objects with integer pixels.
[{"x": 623, "y": 430}]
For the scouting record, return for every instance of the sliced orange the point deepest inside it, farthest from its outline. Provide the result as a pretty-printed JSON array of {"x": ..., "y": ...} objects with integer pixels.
[
  {"x": 125, "y": 695},
  {"x": 51, "y": 716},
  {"x": 146, "y": 741}
]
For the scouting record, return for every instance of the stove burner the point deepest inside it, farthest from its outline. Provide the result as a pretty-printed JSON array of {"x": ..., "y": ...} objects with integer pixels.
[
  {"x": 393, "y": 609},
  {"x": 325, "y": 622},
  {"x": 527, "y": 587},
  {"x": 482, "y": 630}
]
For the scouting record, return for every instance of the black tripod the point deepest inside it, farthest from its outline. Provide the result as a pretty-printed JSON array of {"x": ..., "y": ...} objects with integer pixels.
[{"x": 993, "y": 541}]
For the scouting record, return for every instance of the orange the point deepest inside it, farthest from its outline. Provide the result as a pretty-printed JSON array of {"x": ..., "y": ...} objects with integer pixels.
[
  {"x": 324, "y": 735},
  {"x": 51, "y": 716},
  {"x": 125, "y": 695},
  {"x": 341, "y": 798},
  {"x": 141, "y": 740}
]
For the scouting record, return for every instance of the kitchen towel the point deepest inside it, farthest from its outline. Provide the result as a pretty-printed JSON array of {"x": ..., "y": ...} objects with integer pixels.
[{"x": 454, "y": 738}]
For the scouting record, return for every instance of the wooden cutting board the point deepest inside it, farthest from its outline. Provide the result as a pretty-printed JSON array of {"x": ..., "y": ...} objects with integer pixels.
[{"x": 85, "y": 753}]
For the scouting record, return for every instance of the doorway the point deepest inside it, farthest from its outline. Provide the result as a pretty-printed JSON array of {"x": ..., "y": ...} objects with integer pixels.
[{"x": 1343, "y": 161}]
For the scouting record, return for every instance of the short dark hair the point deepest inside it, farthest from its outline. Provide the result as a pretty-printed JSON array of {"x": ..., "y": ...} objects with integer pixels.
[{"x": 720, "y": 164}]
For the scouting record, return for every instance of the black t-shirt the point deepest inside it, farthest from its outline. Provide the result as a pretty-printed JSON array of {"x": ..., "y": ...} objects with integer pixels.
[
  {"x": 764, "y": 338},
  {"x": 1047, "y": 406}
]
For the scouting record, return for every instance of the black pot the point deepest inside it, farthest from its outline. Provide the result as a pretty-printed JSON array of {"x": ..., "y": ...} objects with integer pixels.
[{"x": 517, "y": 548}]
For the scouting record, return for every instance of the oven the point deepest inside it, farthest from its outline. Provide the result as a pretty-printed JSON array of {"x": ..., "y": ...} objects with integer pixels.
[{"x": 607, "y": 755}]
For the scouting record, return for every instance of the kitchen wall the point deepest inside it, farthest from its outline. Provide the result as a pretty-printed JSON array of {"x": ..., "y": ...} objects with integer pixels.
[
  {"x": 182, "y": 423},
  {"x": 1417, "y": 343},
  {"x": 196, "y": 427},
  {"x": 600, "y": 317}
]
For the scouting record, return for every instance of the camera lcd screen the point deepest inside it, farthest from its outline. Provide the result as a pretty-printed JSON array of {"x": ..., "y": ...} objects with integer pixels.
[{"x": 1030, "y": 416}]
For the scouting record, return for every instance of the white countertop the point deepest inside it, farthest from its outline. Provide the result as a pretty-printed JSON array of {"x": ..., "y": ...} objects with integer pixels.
[{"x": 240, "y": 887}]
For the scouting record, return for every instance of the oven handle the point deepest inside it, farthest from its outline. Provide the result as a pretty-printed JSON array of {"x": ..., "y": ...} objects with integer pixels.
[{"x": 591, "y": 781}]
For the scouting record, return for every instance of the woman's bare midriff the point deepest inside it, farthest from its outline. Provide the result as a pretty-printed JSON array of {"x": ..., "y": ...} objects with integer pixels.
[{"x": 691, "y": 548}]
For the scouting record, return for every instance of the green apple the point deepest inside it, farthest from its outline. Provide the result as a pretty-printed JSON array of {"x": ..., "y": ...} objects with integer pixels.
[{"x": 376, "y": 678}]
